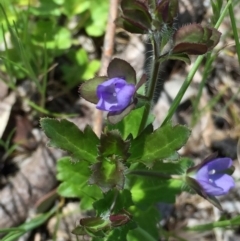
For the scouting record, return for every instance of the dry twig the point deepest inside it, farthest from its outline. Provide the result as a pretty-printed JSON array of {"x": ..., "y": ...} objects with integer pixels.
[{"x": 106, "y": 57}]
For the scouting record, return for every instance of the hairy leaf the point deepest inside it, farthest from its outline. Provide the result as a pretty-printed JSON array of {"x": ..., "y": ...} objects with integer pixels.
[
  {"x": 108, "y": 173},
  {"x": 112, "y": 144},
  {"x": 122, "y": 69},
  {"x": 195, "y": 39},
  {"x": 88, "y": 90}
]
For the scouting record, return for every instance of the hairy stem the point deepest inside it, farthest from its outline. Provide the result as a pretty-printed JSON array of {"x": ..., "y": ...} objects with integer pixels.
[
  {"x": 154, "y": 174},
  {"x": 152, "y": 82}
]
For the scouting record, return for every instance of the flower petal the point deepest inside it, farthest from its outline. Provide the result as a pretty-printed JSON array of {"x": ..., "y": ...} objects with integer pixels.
[
  {"x": 213, "y": 176},
  {"x": 202, "y": 174},
  {"x": 114, "y": 95},
  {"x": 226, "y": 182},
  {"x": 220, "y": 164},
  {"x": 124, "y": 96},
  {"x": 210, "y": 188}
]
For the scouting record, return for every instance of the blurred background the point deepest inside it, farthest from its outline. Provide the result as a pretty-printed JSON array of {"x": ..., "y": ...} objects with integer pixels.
[{"x": 47, "y": 49}]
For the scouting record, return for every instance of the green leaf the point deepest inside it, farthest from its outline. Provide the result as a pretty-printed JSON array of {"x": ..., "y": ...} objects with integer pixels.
[
  {"x": 130, "y": 124},
  {"x": 96, "y": 24},
  {"x": 112, "y": 144},
  {"x": 46, "y": 9},
  {"x": 161, "y": 144},
  {"x": 146, "y": 220},
  {"x": 89, "y": 88},
  {"x": 120, "y": 233},
  {"x": 117, "y": 201},
  {"x": 133, "y": 5},
  {"x": 137, "y": 13},
  {"x": 166, "y": 11},
  {"x": 115, "y": 117},
  {"x": 65, "y": 135},
  {"x": 28, "y": 226},
  {"x": 195, "y": 39},
  {"x": 79, "y": 68},
  {"x": 129, "y": 26},
  {"x": 181, "y": 56},
  {"x": 121, "y": 68},
  {"x": 90, "y": 69},
  {"x": 74, "y": 177},
  {"x": 107, "y": 174},
  {"x": 147, "y": 190},
  {"x": 73, "y": 7},
  {"x": 47, "y": 33}
]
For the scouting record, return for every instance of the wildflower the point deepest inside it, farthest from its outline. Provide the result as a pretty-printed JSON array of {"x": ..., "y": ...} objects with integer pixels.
[
  {"x": 114, "y": 94},
  {"x": 214, "y": 178},
  {"x": 211, "y": 178}
]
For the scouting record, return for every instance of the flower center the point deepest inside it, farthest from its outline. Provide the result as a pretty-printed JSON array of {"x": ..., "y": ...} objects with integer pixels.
[
  {"x": 213, "y": 171},
  {"x": 114, "y": 94}
]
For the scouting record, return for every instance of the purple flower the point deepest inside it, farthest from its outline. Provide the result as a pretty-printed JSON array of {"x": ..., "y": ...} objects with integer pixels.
[
  {"x": 213, "y": 176},
  {"x": 114, "y": 94}
]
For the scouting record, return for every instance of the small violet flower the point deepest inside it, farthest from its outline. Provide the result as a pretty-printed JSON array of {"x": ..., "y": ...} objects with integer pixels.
[
  {"x": 114, "y": 94},
  {"x": 213, "y": 176}
]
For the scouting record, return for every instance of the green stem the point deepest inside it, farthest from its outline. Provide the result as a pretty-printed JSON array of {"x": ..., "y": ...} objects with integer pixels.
[
  {"x": 191, "y": 74},
  {"x": 154, "y": 174},
  {"x": 206, "y": 71},
  {"x": 152, "y": 83},
  {"x": 234, "y": 28},
  {"x": 46, "y": 112},
  {"x": 44, "y": 81},
  {"x": 153, "y": 4}
]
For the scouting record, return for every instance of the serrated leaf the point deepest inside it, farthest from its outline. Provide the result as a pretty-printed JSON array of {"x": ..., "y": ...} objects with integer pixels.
[
  {"x": 74, "y": 177},
  {"x": 67, "y": 136},
  {"x": 88, "y": 90},
  {"x": 191, "y": 33},
  {"x": 161, "y": 144},
  {"x": 108, "y": 174},
  {"x": 112, "y": 144}
]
